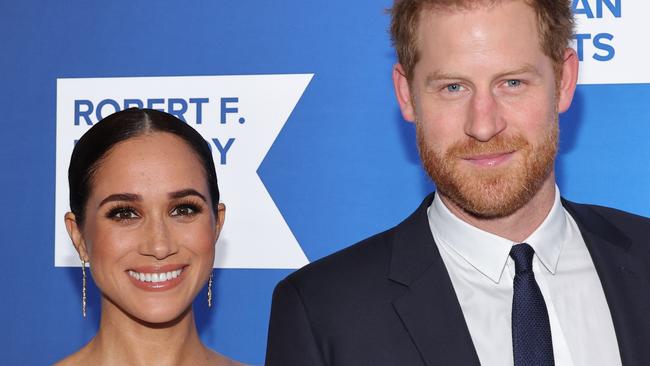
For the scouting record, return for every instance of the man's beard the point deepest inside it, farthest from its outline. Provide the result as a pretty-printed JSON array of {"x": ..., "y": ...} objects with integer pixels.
[{"x": 491, "y": 192}]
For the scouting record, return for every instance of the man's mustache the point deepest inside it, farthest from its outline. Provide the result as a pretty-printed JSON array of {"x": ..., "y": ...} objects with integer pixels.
[{"x": 500, "y": 144}]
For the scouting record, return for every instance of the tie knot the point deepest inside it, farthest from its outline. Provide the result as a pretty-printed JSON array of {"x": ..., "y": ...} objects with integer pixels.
[{"x": 523, "y": 256}]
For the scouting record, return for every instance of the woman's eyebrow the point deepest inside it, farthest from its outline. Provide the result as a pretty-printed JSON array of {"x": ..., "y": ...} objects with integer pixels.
[
  {"x": 186, "y": 192},
  {"x": 129, "y": 197}
]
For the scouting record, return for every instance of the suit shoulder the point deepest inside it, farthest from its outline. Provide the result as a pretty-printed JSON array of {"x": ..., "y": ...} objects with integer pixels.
[
  {"x": 362, "y": 259},
  {"x": 617, "y": 216},
  {"x": 632, "y": 225}
]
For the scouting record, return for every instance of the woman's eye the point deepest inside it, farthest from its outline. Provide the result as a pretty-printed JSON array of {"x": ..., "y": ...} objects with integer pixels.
[
  {"x": 184, "y": 210},
  {"x": 513, "y": 83},
  {"x": 122, "y": 214}
]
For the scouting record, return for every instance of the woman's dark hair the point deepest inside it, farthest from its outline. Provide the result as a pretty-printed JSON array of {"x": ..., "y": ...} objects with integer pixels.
[{"x": 121, "y": 126}]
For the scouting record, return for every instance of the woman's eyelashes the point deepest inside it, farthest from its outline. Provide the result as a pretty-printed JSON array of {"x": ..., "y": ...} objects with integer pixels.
[
  {"x": 181, "y": 210},
  {"x": 186, "y": 209},
  {"x": 122, "y": 213}
]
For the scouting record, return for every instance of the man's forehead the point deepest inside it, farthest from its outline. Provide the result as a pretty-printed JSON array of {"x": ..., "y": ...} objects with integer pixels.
[
  {"x": 502, "y": 40},
  {"x": 435, "y": 12},
  {"x": 459, "y": 5},
  {"x": 444, "y": 7}
]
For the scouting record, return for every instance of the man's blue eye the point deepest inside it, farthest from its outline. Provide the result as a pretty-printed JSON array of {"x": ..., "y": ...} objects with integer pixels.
[
  {"x": 514, "y": 83},
  {"x": 453, "y": 88}
]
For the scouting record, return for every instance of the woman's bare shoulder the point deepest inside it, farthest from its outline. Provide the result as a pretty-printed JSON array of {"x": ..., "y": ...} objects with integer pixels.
[
  {"x": 221, "y": 360},
  {"x": 73, "y": 360},
  {"x": 81, "y": 357}
]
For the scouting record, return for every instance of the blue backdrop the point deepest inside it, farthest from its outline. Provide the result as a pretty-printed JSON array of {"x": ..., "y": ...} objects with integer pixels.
[{"x": 344, "y": 166}]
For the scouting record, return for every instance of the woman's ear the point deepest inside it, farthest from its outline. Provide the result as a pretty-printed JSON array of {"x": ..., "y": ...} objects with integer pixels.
[
  {"x": 221, "y": 217},
  {"x": 74, "y": 231}
]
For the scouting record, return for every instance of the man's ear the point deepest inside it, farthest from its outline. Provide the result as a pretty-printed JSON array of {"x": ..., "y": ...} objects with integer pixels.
[
  {"x": 220, "y": 219},
  {"x": 74, "y": 231},
  {"x": 403, "y": 93},
  {"x": 568, "y": 81}
]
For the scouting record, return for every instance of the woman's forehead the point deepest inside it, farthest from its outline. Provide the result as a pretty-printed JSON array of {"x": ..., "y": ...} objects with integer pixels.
[{"x": 150, "y": 163}]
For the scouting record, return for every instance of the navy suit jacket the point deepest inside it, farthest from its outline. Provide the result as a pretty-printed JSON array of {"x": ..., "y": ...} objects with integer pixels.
[{"x": 388, "y": 300}]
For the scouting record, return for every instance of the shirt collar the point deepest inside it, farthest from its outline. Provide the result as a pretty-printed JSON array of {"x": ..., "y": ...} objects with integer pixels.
[
  {"x": 549, "y": 238},
  {"x": 488, "y": 253}
]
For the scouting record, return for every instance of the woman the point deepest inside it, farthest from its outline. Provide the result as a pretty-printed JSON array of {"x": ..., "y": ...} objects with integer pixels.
[{"x": 145, "y": 215}]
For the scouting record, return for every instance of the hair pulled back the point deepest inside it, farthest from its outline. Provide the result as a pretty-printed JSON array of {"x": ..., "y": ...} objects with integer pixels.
[{"x": 97, "y": 142}]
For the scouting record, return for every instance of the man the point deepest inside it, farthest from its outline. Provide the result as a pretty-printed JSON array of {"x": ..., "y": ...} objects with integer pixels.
[{"x": 495, "y": 268}]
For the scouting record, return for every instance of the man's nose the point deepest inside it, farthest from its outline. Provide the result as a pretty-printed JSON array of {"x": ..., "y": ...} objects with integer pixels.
[
  {"x": 484, "y": 120},
  {"x": 158, "y": 241}
]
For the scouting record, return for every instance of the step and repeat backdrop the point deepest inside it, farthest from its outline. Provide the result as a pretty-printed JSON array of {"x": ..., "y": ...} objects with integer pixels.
[{"x": 296, "y": 102}]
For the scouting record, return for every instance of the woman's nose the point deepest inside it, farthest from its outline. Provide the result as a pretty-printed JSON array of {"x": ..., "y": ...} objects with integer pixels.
[{"x": 157, "y": 240}]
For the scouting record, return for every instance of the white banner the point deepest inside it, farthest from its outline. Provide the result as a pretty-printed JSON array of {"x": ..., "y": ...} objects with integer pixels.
[
  {"x": 240, "y": 117},
  {"x": 610, "y": 41}
]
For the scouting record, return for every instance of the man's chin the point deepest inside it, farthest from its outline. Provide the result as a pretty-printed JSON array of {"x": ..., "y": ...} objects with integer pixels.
[
  {"x": 484, "y": 201},
  {"x": 483, "y": 207},
  {"x": 486, "y": 193}
]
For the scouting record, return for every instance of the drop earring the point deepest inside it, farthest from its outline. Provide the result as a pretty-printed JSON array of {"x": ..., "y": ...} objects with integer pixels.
[
  {"x": 210, "y": 291},
  {"x": 83, "y": 287}
]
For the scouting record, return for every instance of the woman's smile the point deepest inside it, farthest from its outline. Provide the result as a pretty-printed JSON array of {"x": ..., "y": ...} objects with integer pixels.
[{"x": 157, "y": 279}]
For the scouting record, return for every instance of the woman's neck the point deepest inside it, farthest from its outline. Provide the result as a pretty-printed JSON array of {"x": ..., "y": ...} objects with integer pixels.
[{"x": 123, "y": 340}]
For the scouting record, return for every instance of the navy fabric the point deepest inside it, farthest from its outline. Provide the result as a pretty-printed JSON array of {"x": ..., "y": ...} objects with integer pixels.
[
  {"x": 388, "y": 300},
  {"x": 531, "y": 331}
]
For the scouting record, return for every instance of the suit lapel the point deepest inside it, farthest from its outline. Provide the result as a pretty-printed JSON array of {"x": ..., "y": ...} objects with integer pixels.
[
  {"x": 624, "y": 277},
  {"x": 429, "y": 309}
]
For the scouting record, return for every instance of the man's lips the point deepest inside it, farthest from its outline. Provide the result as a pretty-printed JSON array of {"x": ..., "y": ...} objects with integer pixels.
[{"x": 489, "y": 160}]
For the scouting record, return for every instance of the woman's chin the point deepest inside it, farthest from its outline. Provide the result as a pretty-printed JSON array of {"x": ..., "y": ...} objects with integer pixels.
[
  {"x": 162, "y": 316},
  {"x": 155, "y": 312}
]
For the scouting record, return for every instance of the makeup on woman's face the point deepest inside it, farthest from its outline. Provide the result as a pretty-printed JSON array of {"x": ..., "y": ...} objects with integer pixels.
[{"x": 150, "y": 228}]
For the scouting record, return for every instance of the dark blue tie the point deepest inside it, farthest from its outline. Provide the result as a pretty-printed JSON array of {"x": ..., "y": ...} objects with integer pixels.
[{"x": 532, "y": 344}]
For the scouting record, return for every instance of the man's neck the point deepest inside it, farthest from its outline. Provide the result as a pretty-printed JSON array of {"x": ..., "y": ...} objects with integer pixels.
[{"x": 520, "y": 224}]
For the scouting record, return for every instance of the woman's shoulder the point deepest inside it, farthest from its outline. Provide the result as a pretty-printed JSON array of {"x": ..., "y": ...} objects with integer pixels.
[
  {"x": 77, "y": 358},
  {"x": 221, "y": 360},
  {"x": 82, "y": 357}
]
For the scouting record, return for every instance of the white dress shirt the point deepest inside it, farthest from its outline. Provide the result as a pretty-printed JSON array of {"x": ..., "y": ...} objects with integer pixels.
[{"x": 482, "y": 274}]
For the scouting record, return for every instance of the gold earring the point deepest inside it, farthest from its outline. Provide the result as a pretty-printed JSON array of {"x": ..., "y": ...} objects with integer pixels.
[
  {"x": 210, "y": 291},
  {"x": 83, "y": 287}
]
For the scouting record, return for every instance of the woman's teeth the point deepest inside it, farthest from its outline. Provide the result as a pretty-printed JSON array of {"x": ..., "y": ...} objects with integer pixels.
[{"x": 155, "y": 277}]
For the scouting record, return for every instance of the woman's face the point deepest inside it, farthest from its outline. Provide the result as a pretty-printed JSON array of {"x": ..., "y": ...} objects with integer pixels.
[{"x": 150, "y": 229}]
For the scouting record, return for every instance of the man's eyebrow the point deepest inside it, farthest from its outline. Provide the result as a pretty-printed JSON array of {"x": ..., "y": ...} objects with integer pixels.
[
  {"x": 441, "y": 75},
  {"x": 129, "y": 197},
  {"x": 525, "y": 69},
  {"x": 187, "y": 192}
]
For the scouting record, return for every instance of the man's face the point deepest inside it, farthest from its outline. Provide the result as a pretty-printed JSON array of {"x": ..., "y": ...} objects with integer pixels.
[{"x": 485, "y": 102}]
